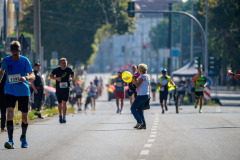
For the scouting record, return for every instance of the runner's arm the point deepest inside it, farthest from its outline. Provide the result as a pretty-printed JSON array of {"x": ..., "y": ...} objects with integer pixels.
[
  {"x": 30, "y": 77},
  {"x": 235, "y": 76},
  {"x": 138, "y": 82},
  {"x": 72, "y": 76},
  {"x": 172, "y": 83},
  {"x": 1, "y": 74}
]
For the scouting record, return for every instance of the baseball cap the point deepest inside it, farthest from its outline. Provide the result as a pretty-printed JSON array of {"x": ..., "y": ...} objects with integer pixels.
[{"x": 37, "y": 64}]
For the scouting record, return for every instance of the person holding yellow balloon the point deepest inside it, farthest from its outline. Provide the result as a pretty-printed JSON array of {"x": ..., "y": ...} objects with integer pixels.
[{"x": 142, "y": 84}]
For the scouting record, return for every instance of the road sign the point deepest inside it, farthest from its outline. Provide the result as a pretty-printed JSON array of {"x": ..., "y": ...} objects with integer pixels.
[
  {"x": 175, "y": 53},
  {"x": 54, "y": 63},
  {"x": 209, "y": 82}
]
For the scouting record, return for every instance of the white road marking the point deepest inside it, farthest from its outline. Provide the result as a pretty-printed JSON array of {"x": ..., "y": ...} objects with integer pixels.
[
  {"x": 148, "y": 145},
  {"x": 154, "y": 126},
  {"x": 153, "y": 129},
  {"x": 144, "y": 152},
  {"x": 151, "y": 140},
  {"x": 152, "y": 136},
  {"x": 153, "y": 132}
]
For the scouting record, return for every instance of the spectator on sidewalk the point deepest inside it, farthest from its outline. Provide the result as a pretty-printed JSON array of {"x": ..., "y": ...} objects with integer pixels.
[
  {"x": 37, "y": 88},
  {"x": 154, "y": 88}
]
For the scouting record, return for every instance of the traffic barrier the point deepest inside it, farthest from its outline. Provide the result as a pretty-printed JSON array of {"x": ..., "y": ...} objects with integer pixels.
[{"x": 207, "y": 94}]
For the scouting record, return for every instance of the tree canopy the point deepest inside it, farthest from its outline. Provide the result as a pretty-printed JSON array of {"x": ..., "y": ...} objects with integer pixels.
[{"x": 70, "y": 26}]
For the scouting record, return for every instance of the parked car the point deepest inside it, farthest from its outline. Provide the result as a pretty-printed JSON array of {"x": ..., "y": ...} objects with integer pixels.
[{"x": 111, "y": 88}]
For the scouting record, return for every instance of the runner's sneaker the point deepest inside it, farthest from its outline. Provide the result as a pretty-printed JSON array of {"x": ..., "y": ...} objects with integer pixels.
[
  {"x": 118, "y": 110},
  {"x": 166, "y": 108},
  {"x": 9, "y": 145},
  {"x": 64, "y": 120},
  {"x": 60, "y": 119},
  {"x": 24, "y": 142},
  {"x": 162, "y": 111},
  {"x": 200, "y": 111},
  {"x": 195, "y": 106}
]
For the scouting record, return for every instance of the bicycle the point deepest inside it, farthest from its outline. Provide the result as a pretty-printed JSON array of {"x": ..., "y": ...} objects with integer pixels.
[{"x": 176, "y": 99}]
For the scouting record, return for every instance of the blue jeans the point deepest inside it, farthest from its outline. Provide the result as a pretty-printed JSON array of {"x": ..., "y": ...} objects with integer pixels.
[{"x": 137, "y": 108}]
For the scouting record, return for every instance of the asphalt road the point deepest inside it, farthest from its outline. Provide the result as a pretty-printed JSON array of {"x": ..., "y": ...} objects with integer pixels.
[{"x": 105, "y": 135}]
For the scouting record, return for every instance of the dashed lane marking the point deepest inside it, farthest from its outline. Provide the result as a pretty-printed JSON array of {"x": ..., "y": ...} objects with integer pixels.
[
  {"x": 144, "y": 152},
  {"x": 152, "y": 136},
  {"x": 151, "y": 140},
  {"x": 148, "y": 145}
]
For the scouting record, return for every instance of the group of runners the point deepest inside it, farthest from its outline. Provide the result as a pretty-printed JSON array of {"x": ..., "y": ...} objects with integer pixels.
[{"x": 16, "y": 72}]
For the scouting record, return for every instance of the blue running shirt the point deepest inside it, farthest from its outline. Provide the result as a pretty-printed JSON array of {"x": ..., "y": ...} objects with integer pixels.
[{"x": 15, "y": 70}]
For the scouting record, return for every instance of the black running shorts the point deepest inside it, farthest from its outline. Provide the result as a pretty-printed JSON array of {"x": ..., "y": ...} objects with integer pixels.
[
  {"x": 198, "y": 94},
  {"x": 62, "y": 94},
  {"x": 23, "y": 102},
  {"x": 163, "y": 96}
]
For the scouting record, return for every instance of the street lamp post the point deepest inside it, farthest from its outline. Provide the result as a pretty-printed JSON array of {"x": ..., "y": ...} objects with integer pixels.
[{"x": 193, "y": 18}]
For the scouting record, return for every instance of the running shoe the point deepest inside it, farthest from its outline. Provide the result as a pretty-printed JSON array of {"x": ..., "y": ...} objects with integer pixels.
[
  {"x": 9, "y": 145},
  {"x": 118, "y": 110},
  {"x": 24, "y": 142},
  {"x": 162, "y": 111},
  {"x": 144, "y": 126},
  {"x": 137, "y": 125},
  {"x": 140, "y": 126},
  {"x": 64, "y": 120},
  {"x": 195, "y": 106},
  {"x": 60, "y": 119},
  {"x": 166, "y": 108},
  {"x": 200, "y": 111},
  {"x": 3, "y": 130}
]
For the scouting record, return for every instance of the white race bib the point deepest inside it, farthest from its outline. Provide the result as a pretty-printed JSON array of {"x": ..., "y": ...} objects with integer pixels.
[
  {"x": 63, "y": 84},
  {"x": 14, "y": 78}
]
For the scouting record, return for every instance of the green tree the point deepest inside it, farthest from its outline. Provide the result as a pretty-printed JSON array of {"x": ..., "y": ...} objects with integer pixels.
[{"x": 69, "y": 26}]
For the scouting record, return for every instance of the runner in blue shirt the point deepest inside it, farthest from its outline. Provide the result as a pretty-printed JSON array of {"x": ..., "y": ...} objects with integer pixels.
[{"x": 19, "y": 72}]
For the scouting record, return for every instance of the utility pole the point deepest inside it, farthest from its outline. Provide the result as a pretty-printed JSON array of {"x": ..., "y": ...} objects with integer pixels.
[
  {"x": 37, "y": 29},
  {"x": 5, "y": 24},
  {"x": 157, "y": 52},
  {"x": 191, "y": 43},
  {"x": 206, "y": 41},
  {"x": 180, "y": 52},
  {"x": 170, "y": 37},
  {"x": 142, "y": 34}
]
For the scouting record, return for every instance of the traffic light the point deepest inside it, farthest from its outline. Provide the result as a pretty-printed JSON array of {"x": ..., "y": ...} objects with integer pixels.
[
  {"x": 131, "y": 7},
  {"x": 144, "y": 45},
  {"x": 198, "y": 62}
]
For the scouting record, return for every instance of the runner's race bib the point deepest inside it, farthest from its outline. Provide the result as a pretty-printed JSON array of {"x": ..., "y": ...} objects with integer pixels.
[
  {"x": 63, "y": 84},
  {"x": 14, "y": 78},
  {"x": 119, "y": 84},
  {"x": 200, "y": 88}
]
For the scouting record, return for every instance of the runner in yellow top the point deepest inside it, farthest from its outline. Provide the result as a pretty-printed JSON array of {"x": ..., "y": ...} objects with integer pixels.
[{"x": 199, "y": 82}]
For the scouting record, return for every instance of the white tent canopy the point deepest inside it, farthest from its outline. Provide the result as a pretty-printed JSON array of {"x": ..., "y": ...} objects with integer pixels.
[{"x": 188, "y": 70}]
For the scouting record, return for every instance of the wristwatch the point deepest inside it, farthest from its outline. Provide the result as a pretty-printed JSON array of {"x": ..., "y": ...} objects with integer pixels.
[{"x": 26, "y": 78}]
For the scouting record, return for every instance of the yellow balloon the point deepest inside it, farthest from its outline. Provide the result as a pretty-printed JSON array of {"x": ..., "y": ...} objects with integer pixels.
[{"x": 127, "y": 77}]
